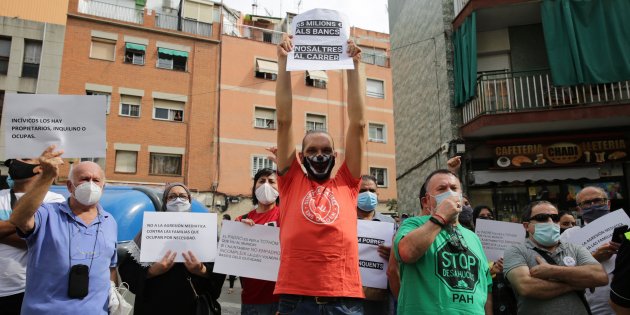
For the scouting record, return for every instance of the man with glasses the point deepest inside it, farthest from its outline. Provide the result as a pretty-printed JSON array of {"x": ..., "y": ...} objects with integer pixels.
[
  {"x": 442, "y": 265},
  {"x": 549, "y": 276}
]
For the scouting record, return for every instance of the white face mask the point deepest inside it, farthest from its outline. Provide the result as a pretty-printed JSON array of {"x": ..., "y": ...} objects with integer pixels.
[
  {"x": 88, "y": 193},
  {"x": 178, "y": 205},
  {"x": 266, "y": 194}
]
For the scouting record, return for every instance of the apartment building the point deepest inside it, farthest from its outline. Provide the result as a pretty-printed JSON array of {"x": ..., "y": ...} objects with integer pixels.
[{"x": 538, "y": 107}]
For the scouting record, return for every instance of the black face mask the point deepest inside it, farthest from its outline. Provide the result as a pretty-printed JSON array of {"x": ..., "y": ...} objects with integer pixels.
[
  {"x": 20, "y": 170},
  {"x": 319, "y": 167},
  {"x": 562, "y": 230}
]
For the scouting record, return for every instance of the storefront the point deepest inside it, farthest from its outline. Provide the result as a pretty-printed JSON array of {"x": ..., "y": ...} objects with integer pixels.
[{"x": 509, "y": 174}]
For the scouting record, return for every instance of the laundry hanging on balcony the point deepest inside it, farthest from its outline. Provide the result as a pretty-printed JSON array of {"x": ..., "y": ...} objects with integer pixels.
[
  {"x": 587, "y": 40},
  {"x": 465, "y": 60}
]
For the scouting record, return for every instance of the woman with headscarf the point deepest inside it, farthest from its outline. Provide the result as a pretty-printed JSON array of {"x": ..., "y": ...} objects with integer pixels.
[{"x": 166, "y": 287}]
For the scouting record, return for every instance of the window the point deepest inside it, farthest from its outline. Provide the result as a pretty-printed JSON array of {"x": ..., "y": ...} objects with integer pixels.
[
  {"x": 126, "y": 161},
  {"x": 99, "y": 161},
  {"x": 374, "y": 56},
  {"x": 381, "y": 176},
  {"x": 316, "y": 78},
  {"x": 108, "y": 98},
  {"x": 5, "y": 52},
  {"x": 103, "y": 49},
  {"x": 172, "y": 59},
  {"x": 130, "y": 106},
  {"x": 134, "y": 53},
  {"x": 315, "y": 122},
  {"x": 376, "y": 132},
  {"x": 165, "y": 164},
  {"x": 266, "y": 69},
  {"x": 260, "y": 162},
  {"x": 168, "y": 110},
  {"x": 265, "y": 118},
  {"x": 375, "y": 88},
  {"x": 32, "y": 57}
]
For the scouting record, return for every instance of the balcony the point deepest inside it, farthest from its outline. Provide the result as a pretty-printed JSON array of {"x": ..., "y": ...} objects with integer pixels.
[
  {"x": 253, "y": 33},
  {"x": 170, "y": 22},
  {"x": 111, "y": 11}
]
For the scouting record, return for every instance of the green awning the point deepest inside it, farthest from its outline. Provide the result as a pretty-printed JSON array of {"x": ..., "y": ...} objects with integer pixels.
[
  {"x": 172, "y": 52},
  {"x": 135, "y": 46},
  {"x": 465, "y": 60}
]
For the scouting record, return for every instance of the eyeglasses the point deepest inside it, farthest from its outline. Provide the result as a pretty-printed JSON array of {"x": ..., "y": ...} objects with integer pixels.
[
  {"x": 365, "y": 189},
  {"x": 175, "y": 196},
  {"x": 457, "y": 240},
  {"x": 593, "y": 202},
  {"x": 488, "y": 217},
  {"x": 544, "y": 217}
]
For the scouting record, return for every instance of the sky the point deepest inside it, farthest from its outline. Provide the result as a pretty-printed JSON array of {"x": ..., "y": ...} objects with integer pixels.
[{"x": 366, "y": 14}]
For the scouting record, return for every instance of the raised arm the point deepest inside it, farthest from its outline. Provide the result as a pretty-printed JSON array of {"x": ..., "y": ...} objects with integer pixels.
[
  {"x": 355, "y": 138},
  {"x": 23, "y": 216},
  {"x": 284, "y": 103},
  {"x": 529, "y": 286}
]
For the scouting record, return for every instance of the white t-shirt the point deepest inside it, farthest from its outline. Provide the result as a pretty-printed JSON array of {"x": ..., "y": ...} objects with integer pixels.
[{"x": 13, "y": 260}]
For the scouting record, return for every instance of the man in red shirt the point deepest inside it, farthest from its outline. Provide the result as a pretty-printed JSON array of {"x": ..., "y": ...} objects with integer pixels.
[{"x": 319, "y": 263}]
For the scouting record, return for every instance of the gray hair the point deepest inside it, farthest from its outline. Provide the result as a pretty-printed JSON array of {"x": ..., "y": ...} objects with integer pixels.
[{"x": 600, "y": 190}]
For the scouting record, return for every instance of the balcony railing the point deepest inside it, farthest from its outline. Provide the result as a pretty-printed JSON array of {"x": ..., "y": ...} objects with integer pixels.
[
  {"x": 111, "y": 11},
  {"x": 251, "y": 32},
  {"x": 505, "y": 92},
  {"x": 168, "y": 21}
]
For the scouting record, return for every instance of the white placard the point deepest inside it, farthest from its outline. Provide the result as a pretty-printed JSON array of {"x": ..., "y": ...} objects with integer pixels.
[
  {"x": 75, "y": 123},
  {"x": 249, "y": 251},
  {"x": 598, "y": 232},
  {"x": 497, "y": 236},
  {"x": 179, "y": 232},
  {"x": 372, "y": 266},
  {"x": 320, "y": 41}
]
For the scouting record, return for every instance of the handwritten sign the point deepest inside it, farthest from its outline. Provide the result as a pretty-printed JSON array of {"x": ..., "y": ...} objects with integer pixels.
[
  {"x": 249, "y": 251},
  {"x": 497, "y": 236},
  {"x": 75, "y": 123},
  {"x": 372, "y": 266},
  {"x": 179, "y": 232},
  {"x": 598, "y": 232},
  {"x": 320, "y": 41}
]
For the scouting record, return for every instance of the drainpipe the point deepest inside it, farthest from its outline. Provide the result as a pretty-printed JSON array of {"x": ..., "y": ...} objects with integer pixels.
[{"x": 39, "y": 70}]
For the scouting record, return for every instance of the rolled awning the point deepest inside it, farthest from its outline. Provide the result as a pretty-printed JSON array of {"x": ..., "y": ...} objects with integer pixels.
[
  {"x": 485, "y": 177},
  {"x": 133, "y": 46},
  {"x": 317, "y": 75},
  {"x": 172, "y": 52},
  {"x": 266, "y": 66}
]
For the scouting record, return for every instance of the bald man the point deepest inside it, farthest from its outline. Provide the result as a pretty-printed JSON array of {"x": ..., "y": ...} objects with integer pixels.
[{"x": 71, "y": 245}]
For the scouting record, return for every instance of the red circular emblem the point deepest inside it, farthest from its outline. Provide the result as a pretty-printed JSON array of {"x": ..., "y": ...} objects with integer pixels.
[{"x": 320, "y": 206}]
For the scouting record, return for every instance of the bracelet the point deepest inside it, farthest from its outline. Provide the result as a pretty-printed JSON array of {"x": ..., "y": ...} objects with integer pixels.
[
  {"x": 441, "y": 218},
  {"x": 436, "y": 221}
]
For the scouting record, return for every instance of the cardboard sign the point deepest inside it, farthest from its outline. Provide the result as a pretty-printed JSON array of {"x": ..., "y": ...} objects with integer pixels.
[
  {"x": 598, "y": 232},
  {"x": 249, "y": 251},
  {"x": 320, "y": 41},
  {"x": 75, "y": 123},
  {"x": 179, "y": 232},
  {"x": 497, "y": 236},
  {"x": 372, "y": 266}
]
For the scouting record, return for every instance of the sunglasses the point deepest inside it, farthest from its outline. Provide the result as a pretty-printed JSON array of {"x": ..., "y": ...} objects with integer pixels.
[
  {"x": 544, "y": 217},
  {"x": 594, "y": 201}
]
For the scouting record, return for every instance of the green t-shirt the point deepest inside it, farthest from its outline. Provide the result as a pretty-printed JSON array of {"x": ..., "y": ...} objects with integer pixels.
[{"x": 448, "y": 279}]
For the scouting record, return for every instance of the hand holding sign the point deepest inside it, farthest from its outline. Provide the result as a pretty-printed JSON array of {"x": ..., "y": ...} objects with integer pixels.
[
  {"x": 163, "y": 265},
  {"x": 193, "y": 265}
]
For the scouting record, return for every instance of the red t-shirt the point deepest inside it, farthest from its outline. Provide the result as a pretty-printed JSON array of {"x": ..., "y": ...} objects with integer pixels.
[
  {"x": 257, "y": 291},
  {"x": 319, "y": 254}
]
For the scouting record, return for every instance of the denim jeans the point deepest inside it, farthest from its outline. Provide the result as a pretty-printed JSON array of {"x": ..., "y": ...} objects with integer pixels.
[
  {"x": 259, "y": 309},
  {"x": 296, "y": 304}
]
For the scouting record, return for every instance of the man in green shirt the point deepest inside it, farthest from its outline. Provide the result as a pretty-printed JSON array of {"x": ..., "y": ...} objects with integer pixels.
[{"x": 443, "y": 268}]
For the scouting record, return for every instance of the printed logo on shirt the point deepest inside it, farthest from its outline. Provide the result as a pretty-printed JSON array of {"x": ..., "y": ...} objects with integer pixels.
[
  {"x": 320, "y": 206},
  {"x": 459, "y": 270}
]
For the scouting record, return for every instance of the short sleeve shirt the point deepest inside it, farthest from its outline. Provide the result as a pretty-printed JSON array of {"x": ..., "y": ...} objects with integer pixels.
[{"x": 566, "y": 254}]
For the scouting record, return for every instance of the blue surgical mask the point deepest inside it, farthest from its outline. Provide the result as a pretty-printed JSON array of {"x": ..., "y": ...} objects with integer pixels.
[
  {"x": 547, "y": 234},
  {"x": 367, "y": 201},
  {"x": 443, "y": 196},
  {"x": 593, "y": 213},
  {"x": 10, "y": 181}
]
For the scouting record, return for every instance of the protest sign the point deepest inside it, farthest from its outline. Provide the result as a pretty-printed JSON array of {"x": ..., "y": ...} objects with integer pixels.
[
  {"x": 179, "y": 232},
  {"x": 320, "y": 41},
  {"x": 372, "y": 266},
  {"x": 75, "y": 123},
  {"x": 598, "y": 232},
  {"x": 249, "y": 251},
  {"x": 497, "y": 236}
]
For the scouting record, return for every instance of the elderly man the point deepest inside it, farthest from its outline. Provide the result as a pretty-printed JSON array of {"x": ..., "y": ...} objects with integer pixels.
[
  {"x": 443, "y": 268},
  {"x": 71, "y": 245},
  {"x": 549, "y": 276},
  {"x": 24, "y": 173},
  {"x": 319, "y": 263}
]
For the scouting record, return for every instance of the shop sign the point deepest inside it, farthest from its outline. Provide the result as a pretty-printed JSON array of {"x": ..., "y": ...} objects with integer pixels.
[{"x": 561, "y": 153}]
